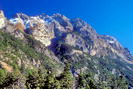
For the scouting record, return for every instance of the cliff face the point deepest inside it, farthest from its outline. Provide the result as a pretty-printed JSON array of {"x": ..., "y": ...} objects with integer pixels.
[
  {"x": 65, "y": 40},
  {"x": 74, "y": 32}
]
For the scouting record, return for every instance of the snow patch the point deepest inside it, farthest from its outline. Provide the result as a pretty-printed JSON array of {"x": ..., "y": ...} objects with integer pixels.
[
  {"x": 111, "y": 42},
  {"x": 16, "y": 20}
]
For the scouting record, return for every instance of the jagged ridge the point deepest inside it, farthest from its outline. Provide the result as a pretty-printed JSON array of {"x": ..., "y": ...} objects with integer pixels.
[{"x": 45, "y": 28}]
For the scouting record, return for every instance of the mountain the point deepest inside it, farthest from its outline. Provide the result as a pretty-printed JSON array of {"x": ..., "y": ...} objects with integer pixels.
[{"x": 51, "y": 43}]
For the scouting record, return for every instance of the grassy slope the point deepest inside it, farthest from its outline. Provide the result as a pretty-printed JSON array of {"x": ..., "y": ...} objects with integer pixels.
[{"x": 12, "y": 50}]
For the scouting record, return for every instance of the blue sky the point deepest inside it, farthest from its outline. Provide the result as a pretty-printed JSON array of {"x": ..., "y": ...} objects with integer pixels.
[{"x": 110, "y": 17}]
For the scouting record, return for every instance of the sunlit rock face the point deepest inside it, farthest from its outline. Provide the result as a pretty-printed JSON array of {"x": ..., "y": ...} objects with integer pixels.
[
  {"x": 2, "y": 19},
  {"x": 41, "y": 33},
  {"x": 40, "y": 30},
  {"x": 34, "y": 26}
]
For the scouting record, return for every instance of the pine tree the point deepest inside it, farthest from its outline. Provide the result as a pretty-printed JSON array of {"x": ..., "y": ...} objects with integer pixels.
[
  {"x": 122, "y": 83},
  {"x": 86, "y": 81},
  {"x": 67, "y": 79}
]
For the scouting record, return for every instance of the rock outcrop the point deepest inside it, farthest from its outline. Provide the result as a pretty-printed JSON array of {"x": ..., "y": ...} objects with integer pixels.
[
  {"x": 2, "y": 19},
  {"x": 6, "y": 66}
]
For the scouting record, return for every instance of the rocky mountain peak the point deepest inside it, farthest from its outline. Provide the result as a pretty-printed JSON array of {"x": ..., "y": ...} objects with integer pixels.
[
  {"x": 2, "y": 14},
  {"x": 74, "y": 32},
  {"x": 22, "y": 16},
  {"x": 43, "y": 16},
  {"x": 2, "y": 19},
  {"x": 18, "y": 22},
  {"x": 78, "y": 21},
  {"x": 58, "y": 15}
]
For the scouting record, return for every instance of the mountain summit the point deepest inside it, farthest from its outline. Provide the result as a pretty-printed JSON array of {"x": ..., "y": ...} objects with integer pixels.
[
  {"x": 74, "y": 32},
  {"x": 65, "y": 40}
]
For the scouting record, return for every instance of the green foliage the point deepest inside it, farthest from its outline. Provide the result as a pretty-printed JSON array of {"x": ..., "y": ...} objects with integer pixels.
[
  {"x": 8, "y": 40},
  {"x": 46, "y": 78},
  {"x": 51, "y": 82},
  {"x": 118, "y": 83},
  {"x": 67, "y": 79},
  {"x": 9, "y": 79},
  {"x": 3, "y": 74},
  {"x": 86, "y": 81},
  {"x": 14, "y": 49}
]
